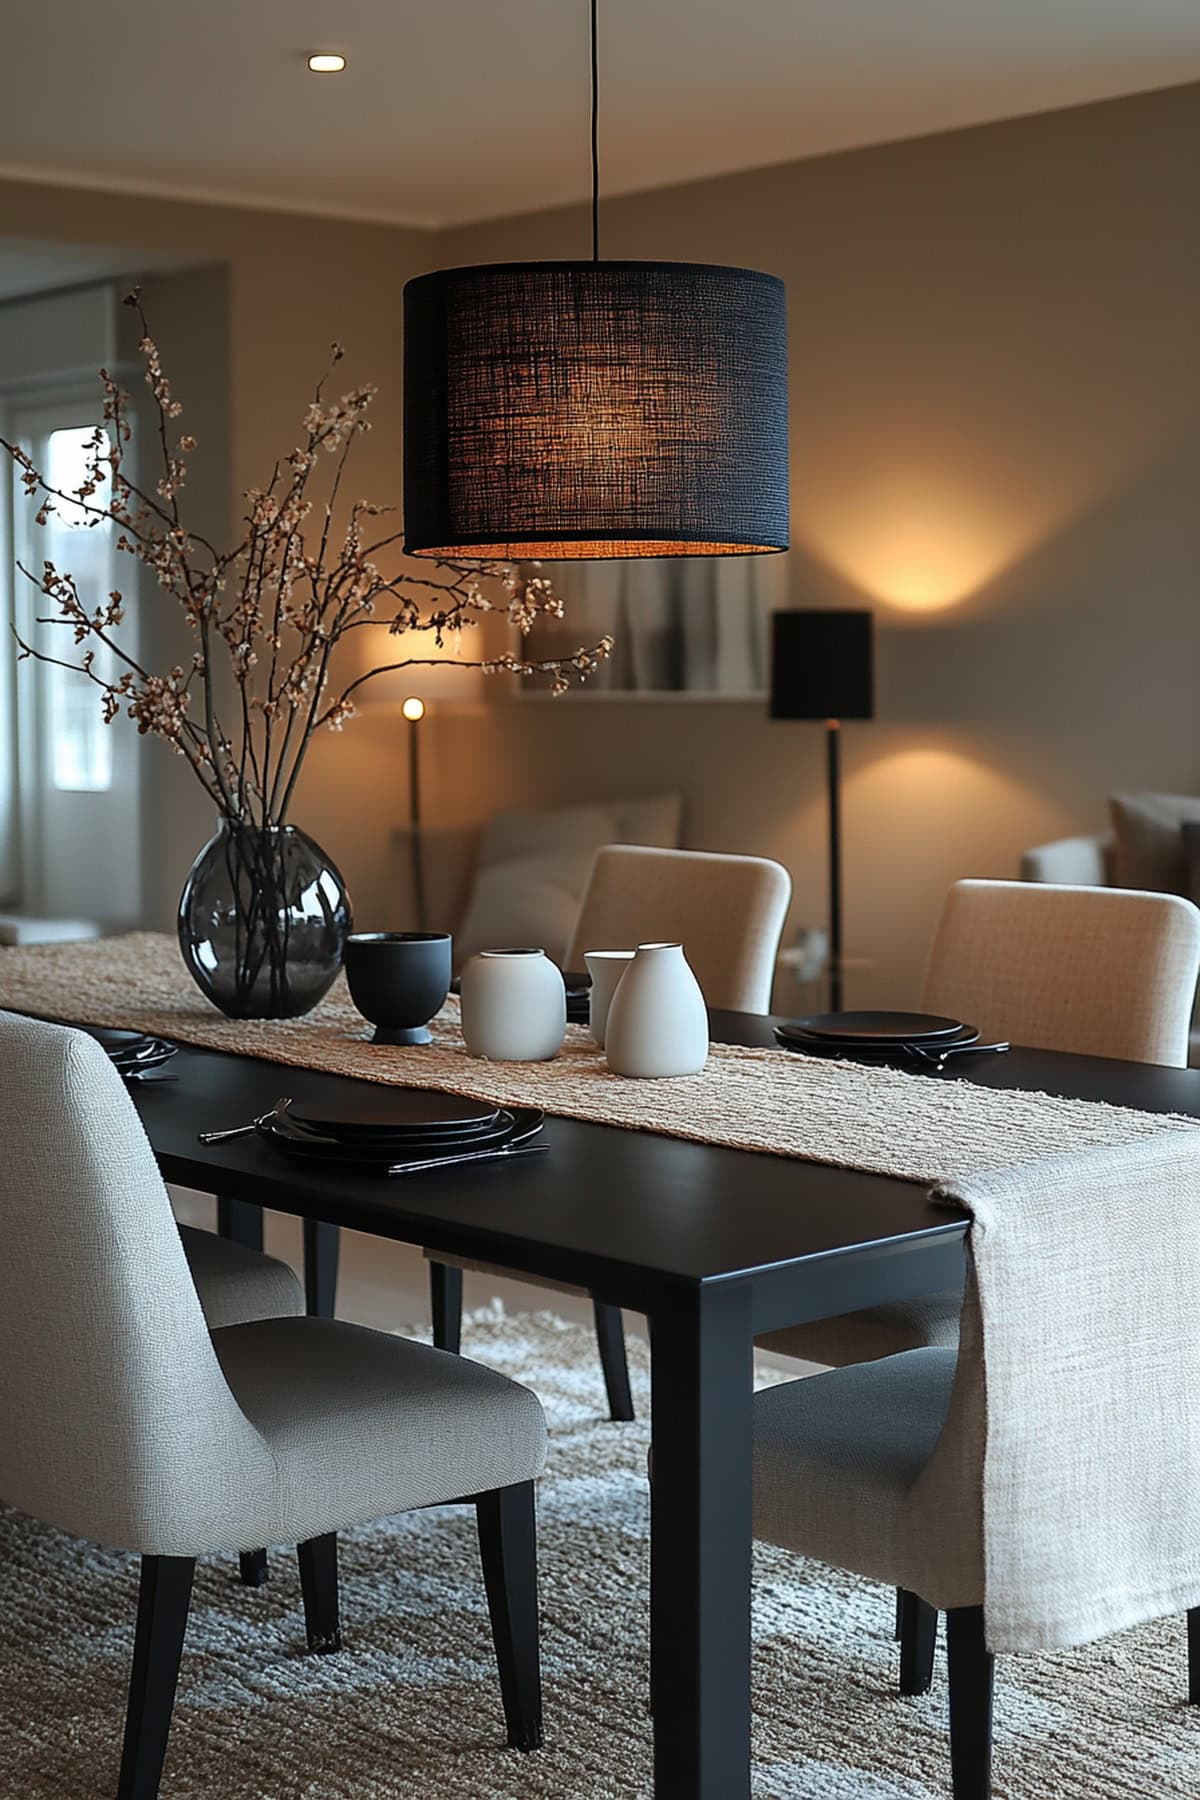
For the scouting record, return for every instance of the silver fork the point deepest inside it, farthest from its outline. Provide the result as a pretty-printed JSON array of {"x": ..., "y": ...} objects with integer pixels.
[
  {"x": 938, "y": 1059},
  {"x": 237, "y": 1131}
]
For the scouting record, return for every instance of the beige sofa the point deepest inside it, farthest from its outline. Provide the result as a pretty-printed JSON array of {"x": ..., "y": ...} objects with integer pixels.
[{"x": 1072, "y": 862}]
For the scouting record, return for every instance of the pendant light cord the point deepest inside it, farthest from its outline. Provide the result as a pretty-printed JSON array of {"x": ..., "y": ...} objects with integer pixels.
[{"x": 595, "y": 144}]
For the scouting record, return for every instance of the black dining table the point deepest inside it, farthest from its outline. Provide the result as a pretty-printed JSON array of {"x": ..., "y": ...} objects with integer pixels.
[{"x": 714, "y": 1245}]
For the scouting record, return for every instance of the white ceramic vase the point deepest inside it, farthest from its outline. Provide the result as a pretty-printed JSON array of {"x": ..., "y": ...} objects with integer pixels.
[
  {"x": 657, "y": 1022},
  {"x": 514, "y": 1006},
  {"x": 606, "y": 967}
]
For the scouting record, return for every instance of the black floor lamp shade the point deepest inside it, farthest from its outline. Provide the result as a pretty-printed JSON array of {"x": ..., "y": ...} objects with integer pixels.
[
  {"x": 559, "y": 410},
  {"x": 822, "y": 665}
]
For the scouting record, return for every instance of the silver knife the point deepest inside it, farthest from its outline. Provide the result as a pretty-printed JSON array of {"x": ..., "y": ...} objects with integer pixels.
[{"x": 505, "y": 1152}]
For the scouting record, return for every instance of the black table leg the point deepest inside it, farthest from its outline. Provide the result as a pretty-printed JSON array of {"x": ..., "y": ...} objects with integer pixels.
[
  {"x": 700, "y": 1544},
  {"x": 240, "y": 1221},
  {"x": 320, "y": 1268}
]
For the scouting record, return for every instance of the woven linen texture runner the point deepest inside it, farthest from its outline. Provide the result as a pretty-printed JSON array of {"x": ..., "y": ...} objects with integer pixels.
[{"x": 879, "y": 1120}]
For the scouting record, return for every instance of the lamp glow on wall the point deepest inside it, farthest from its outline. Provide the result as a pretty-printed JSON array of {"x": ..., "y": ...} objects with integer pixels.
[{"x": 565, "y": 410}]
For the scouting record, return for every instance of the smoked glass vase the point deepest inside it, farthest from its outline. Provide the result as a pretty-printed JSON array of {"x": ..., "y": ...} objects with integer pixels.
[{"x": 263, "y": 920}]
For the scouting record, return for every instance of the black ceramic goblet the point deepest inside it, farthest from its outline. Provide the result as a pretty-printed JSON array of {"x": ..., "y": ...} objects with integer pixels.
[{"x": 398, "y": 980}]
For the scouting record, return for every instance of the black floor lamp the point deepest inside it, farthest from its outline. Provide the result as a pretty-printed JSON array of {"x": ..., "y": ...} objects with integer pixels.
[{"x": 822, "y": 668}]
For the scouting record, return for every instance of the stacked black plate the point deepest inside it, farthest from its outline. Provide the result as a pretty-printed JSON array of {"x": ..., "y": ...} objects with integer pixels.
[
  {"x": 385, "y": 1127},
  {"x": 134, "y": 1053},
  {"x": 877, "y": 1036}
]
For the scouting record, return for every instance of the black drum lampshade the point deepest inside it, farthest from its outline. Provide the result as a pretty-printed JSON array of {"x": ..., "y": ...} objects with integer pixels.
[
  {"x": 557, "y": 410},
  {"x": 822, "y": 665}
]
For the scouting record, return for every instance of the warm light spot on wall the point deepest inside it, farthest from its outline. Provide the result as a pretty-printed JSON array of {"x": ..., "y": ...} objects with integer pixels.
[
  {"x": 919, "y": 544},
  {"x": 436, "y": 669}
]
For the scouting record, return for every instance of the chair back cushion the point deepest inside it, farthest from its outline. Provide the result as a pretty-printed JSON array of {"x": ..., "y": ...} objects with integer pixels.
[
  {"x": 115, "y": 1420},
  {"x": 1094, "y": 971},
  {"x": 726, "y": 911}
]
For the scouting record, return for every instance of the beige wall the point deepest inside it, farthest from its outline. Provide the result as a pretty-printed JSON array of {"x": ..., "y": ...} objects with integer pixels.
[
  {"x": 995, "y": 396},
  {"x": 995, "y": 376}
]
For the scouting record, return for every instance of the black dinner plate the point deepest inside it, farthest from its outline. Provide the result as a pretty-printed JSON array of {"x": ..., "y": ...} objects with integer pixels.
[
  {"x": 117, "y": 1043},
  {"x": 874, "y": 1027},
  {"x": 872, "y": 1051},
  {"x": 515, "y": 1126},
  {"x": 153, "y": 1059},
  {"x": 378, "y": 1144},
  {"x": 131, "y": 1052},
  {"x": 397, "y": 1112}
]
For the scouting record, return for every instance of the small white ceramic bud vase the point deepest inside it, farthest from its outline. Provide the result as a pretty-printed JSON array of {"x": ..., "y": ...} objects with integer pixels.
[
  {"x": 514, "y": 1006},
  {"x": 657, "y": 1022},
  {"x": 606, "y": 967}
]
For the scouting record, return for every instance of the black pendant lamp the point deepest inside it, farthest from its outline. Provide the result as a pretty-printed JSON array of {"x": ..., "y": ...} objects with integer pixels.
[{"x": 565, "y": 410}]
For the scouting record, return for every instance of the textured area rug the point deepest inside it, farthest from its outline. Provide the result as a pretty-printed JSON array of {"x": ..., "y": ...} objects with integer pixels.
[
  {"x": 858, "y": 1117},
  {"x": 410, "y": 1711}
]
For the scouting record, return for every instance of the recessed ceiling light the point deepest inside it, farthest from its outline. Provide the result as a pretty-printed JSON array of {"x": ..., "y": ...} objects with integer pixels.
[{"x": 327, "y": 64}]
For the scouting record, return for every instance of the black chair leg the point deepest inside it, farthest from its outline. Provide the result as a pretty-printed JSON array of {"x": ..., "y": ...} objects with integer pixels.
[
  {"x": 446, "y": 1298},
  {"x": 320, "y": 1268},
  {"x": 319, "y": 1586},
  {"x": 610, "y": 1337},
  {"x": 1193, "y": 1643},
  {"x": 918, "y": 1639},
  {"x": 253, "y": 1568},
  {"x": 508, "y": 1552},
  {"x": 163, "y": 1600},
  {"x": 971, "y": 1680}
]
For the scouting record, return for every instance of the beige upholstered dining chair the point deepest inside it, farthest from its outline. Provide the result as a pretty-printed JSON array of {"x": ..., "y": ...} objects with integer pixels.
[
  {"x": 1091, "y": 971},
  {"x": 124, "y": 1420},
  {"x": 728, "y": 913},
  {"x": 937, "y": 1472}
]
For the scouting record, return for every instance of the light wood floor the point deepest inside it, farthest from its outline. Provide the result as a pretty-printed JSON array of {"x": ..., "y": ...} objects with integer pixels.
[{"x": 386, "y": 1284}]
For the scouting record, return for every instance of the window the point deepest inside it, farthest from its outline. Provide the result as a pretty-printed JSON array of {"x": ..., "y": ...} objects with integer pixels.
[
  {"x": 78, "y": 792},
  {"x": 81, "y": 745}
]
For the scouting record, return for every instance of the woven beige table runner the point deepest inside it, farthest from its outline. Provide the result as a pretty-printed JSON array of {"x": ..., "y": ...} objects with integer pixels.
[{"x": 917, "y": 1127}]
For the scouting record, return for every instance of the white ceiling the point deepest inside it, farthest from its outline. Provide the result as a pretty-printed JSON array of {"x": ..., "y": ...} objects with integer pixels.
[{"x": 455, "y": 110}]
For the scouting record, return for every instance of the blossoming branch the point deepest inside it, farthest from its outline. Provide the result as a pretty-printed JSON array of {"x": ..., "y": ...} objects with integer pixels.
[{"x": 271, "y": 611}]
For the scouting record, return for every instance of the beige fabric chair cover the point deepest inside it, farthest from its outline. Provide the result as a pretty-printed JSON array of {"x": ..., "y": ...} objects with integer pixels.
[
  {"x": 117, "y": 1419},
  {"x": 1092, "y": 971},
  {"x": 726, "y": 911},
  {"x": 1051, "y": 1475}
]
